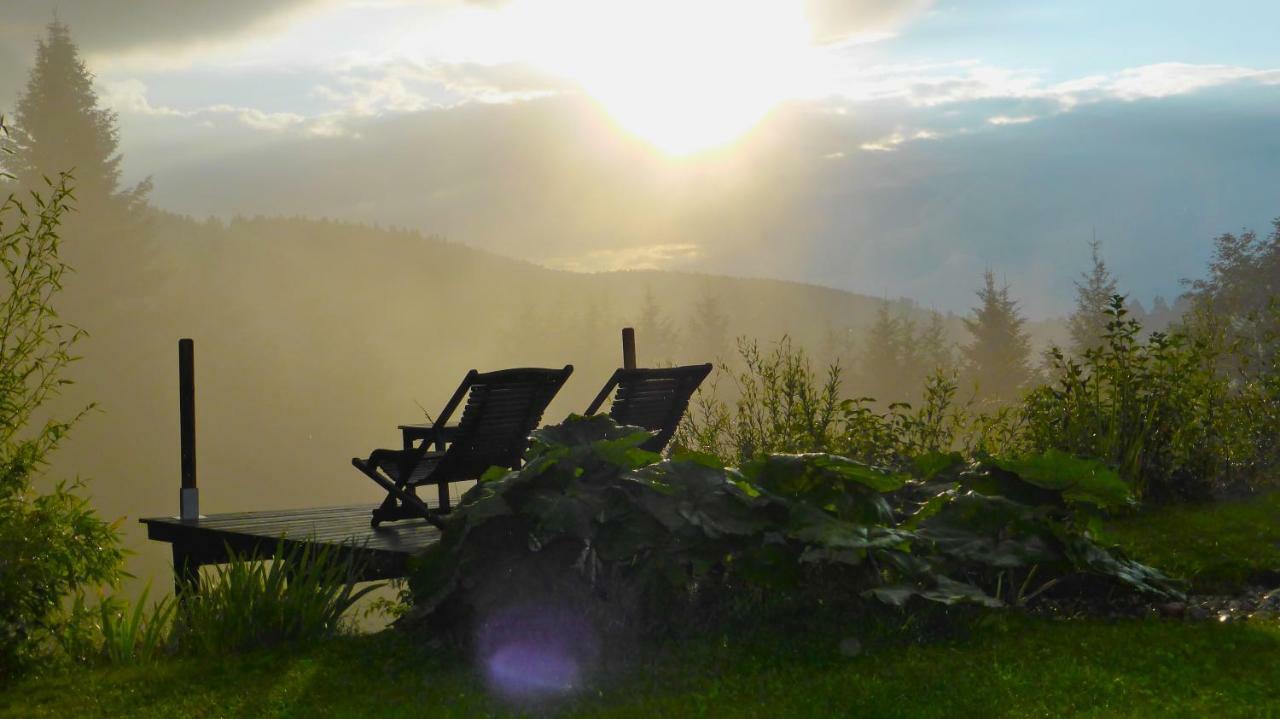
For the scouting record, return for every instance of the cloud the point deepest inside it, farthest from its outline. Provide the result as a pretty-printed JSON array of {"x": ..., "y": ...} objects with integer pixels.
[
  {"x": 102, "y": 28},
  {"x": 932, "y": 85},
  {"x": 101, "y": 25},
  {"x": 841, "y": 20},
  {"x": 891, "y": 142},
  {"x": 1158, "y": 80},
  {"x": 1010, "y": 120},
  {"x": 402, "y": 85},
  {"x": 956, "y": 97},
  {"x": 650, "y": 257},
  {"x": 129, "y": 97}
]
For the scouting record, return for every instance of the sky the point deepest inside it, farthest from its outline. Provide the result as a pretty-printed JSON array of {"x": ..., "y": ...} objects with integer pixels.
[{"x": 889, "y": 148}]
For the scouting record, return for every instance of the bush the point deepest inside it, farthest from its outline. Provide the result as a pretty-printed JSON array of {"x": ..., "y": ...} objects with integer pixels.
[
  {"x": 52, "y": 544},
  {"x": 781, "y": 405},
  {"x": 1156, "y": 408},
  {"x": 635, "y": 545},
  {"x": 300, "y": 594}
]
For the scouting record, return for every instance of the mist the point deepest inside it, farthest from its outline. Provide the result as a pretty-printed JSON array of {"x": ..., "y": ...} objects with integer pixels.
[{"x": 346, "y": 240}]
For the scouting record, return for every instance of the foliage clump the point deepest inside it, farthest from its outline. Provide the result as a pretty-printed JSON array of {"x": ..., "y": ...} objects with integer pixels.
[
  {"x": 52, "y": 543},
  {"x": 1155, "y": 408},
  {"x": 1238, "y": 300},
  {"x": 644, "y": 543},
  {"x": 300, "y": 594}
]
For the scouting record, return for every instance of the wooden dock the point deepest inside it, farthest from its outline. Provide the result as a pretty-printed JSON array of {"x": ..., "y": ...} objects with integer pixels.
[{"x": 380, "y": 554}]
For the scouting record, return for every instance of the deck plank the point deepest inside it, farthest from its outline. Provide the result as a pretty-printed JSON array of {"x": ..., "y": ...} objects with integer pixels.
[{"x": 385, "y": 550}]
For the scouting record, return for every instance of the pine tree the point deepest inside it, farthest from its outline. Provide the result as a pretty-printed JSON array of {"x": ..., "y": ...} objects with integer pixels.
[
  {"x": 881, "y": 361},
  {"x": 1094, "y": 291},
  {"x": 998, "y": 360},
  {"x": 936, "y": 351},
  {"x": 58, "y": 126}
]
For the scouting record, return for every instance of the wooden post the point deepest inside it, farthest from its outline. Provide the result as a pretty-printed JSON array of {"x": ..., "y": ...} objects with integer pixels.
[
  {"x": 189, "y": 497},
  {"x": 628, "y": 348}
]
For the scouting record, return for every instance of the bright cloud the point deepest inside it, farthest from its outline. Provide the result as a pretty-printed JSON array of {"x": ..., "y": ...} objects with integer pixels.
[{"x": 651, "y": 257}]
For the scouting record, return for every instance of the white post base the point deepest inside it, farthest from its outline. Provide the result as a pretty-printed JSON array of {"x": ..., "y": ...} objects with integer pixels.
[{"x": 189, "y": 503}]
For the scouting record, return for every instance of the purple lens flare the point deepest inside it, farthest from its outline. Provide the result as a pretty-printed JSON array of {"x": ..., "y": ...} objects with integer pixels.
[{"x": 533, "y": 652}]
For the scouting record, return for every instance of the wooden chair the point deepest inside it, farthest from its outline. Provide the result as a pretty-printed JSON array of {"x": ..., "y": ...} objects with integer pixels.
[
  {"x": 502, "y": 408},
  {"x": 655, "y": 399}
]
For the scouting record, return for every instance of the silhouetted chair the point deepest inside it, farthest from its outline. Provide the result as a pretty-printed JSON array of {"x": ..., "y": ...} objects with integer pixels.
[
  {"x": 655, "y": 399},
  {"x": 502, "y": 408}
]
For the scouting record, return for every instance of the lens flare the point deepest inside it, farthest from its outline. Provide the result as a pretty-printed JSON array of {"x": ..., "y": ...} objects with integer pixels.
[
  {"x": 533, "y": 652},
  {"x": 525, "y": 669}
]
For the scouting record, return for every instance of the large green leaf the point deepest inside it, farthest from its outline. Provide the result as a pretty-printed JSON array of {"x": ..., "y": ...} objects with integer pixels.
[
  {"x": 815, "y": 527},
  {"x": 579, "y": 431},
  {"x": 1077, "y": 478},
  {"x": 944, "y": 591},
  {"x": 932, "y": 464},
  {"x": 797, "y": 474},
  {"x": 850, "y": 490}
]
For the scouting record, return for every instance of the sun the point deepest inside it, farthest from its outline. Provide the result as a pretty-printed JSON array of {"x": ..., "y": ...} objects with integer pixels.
[{"x": 684, "y": 75}]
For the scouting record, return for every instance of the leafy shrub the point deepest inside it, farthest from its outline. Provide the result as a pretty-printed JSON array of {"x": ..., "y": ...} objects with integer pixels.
[
  {"x": 1238, "y": 296},
  {"x": 1156, "y": 408},
  {"x": 592, "y": 520},
  {"x": 1251, "y": 369},
  {"x": 299, "y": 594},
  {"x": 52, "y": 544},
  {"x": 782, "y": 406}
]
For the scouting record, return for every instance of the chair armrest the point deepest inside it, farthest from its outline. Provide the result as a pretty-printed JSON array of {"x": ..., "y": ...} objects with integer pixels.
[{"x": 427, "y": 433}]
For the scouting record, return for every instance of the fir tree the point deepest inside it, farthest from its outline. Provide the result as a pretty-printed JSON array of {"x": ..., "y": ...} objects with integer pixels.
[
  {"x": 936, "y": 351},
  {"x": 997, "y": 360},
  {"x": 58, "y": 126},
  {"x": 881, "y": 360},
  {"x": 1094, "y": 291}
]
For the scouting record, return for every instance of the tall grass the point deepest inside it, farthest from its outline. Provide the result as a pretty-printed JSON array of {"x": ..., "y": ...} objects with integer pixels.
[
  {"x": 299, "y": 594},
  {"x": 135, "y": 636}
]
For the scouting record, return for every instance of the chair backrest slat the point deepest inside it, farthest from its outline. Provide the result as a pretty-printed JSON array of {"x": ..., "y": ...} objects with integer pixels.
[
  {"x": 502, "y": 408},
  {"x": 654, "y": 399}
]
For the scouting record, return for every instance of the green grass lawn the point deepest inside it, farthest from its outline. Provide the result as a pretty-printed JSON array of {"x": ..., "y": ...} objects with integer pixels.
[
  {"x": 1014, "y": 667},
  {"x": 1218, "y": 547},
  {"x": 1003, "y": 665}
]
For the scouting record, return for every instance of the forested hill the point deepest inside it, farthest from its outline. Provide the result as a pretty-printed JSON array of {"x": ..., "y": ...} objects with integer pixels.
[{"x": 314, "y": 339}]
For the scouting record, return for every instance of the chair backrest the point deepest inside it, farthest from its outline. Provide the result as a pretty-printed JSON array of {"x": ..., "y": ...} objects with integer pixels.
[
  {"x": 654, "y": 399},
  {"x": 502, "y": 408}
]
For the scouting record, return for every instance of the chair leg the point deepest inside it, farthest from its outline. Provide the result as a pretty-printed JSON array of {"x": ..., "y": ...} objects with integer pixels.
[{"x": 409, "y": 505}]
